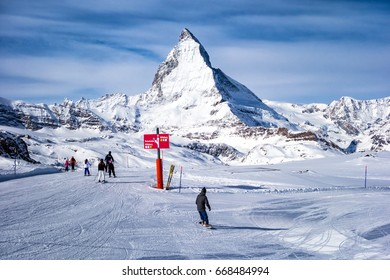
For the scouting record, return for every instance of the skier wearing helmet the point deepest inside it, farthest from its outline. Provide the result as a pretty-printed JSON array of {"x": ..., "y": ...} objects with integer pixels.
[{"x": 202, "y": 202}]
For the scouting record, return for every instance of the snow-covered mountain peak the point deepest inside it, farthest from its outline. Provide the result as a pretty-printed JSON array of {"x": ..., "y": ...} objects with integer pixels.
[
  {"x": 187, "y": 35},
  {"x": 187, "y": 63},
  {"x": 187, "y": 85},
  {"x": 189, "y": 49},
  {"x": 364, "y": 112}
]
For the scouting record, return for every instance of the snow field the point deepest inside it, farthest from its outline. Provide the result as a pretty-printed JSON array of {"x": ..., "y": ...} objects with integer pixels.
[{"x": 308, "y": 210}]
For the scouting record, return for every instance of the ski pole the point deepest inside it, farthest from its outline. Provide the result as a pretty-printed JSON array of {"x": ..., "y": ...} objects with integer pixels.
[
  {"x": 365, "y": 178},
  {"x": 181, "y": 172}
]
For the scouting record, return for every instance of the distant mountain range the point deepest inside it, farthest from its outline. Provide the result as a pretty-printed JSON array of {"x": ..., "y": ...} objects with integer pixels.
[{"x": 207, "y": 112}]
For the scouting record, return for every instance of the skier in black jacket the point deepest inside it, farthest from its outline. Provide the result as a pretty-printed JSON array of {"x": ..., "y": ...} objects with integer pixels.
[
  {"x": 110, "y": 164},
  {"x": 101, "y": 167},
  {"x": 201, "y": 203}
]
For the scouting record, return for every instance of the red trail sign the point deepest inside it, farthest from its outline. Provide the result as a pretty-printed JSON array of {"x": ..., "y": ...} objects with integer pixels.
[{"x": 156, "y": 141}]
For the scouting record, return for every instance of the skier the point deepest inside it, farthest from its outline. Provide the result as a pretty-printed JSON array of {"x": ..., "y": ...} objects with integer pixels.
[
  {"x": 202, "y": 202},
  {"x": 72, "y": 163},
  {"x": 108, "y": 158},
  {"x": 86, "y": 168},
  {"x": 110, "y": 164},
  {"x": 66, "y": 165},
  {"x": 101, "y": 167},
  {"x": 111, "y": 168}
]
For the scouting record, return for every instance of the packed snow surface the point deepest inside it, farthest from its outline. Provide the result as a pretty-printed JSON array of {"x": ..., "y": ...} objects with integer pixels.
[{"x": 314, "y": 209}]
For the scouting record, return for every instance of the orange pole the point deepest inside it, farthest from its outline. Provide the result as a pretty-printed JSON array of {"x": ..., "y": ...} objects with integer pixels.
[{"x": 160, "y": 184}]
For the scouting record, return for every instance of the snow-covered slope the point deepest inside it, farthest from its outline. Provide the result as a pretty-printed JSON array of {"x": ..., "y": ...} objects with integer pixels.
[{"x": 318, "y": 209}]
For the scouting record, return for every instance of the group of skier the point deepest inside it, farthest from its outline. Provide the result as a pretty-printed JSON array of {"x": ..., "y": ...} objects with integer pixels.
[
  {"x": 71, "y": 163},
  {"x": 106, "y": 165}
]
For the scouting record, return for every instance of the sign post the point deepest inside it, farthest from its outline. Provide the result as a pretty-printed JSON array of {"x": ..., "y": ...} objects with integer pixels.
[
  {"x": 157, "y": 141},
  {"x": 159, "y": 167}
]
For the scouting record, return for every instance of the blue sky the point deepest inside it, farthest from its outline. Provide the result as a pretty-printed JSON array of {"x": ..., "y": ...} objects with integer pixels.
[{"x": 284, "y": 50}]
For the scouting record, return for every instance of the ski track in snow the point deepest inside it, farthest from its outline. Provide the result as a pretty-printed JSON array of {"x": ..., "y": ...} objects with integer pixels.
[{"x": 69, "y": 216}]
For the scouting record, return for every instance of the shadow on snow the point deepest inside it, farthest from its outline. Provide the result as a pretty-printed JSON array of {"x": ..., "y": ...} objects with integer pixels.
[{"x": 247, "y": 228}]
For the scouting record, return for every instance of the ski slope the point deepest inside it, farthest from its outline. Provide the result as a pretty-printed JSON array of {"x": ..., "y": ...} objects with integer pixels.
[{"x": 315, "y": 209}]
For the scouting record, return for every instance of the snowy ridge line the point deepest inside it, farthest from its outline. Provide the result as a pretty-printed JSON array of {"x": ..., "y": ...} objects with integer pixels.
[
  {"x": 35, "y": 172},
  {"x": 266, "y": 190},
  {"x": 379, "y": 188},
  {"x": 325, "y": 189},
  {"x": 9, "y": 169}
]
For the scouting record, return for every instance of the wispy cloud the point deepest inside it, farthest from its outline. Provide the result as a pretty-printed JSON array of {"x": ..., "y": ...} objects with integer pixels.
[
  {"x": 298, "y": 51},
  {"x": 308, "y": 71}
]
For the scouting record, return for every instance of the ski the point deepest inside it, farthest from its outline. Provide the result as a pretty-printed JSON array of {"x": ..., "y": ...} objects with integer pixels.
[
  {"x": 171, "y": 169},
  {"x": 206, "y": 227}
]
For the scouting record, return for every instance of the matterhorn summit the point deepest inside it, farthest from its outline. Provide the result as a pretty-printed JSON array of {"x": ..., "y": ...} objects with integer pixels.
[{"x": 191, "y": 93}]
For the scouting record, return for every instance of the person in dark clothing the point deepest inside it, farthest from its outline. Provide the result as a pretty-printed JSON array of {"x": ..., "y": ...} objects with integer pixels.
[
  {"x": 72, "y": 163},
  {"x": 201, "y": 203},
  {"x": 109, "y": 159},
  {"x": 66, "y": 165},
  {"x": 111, "y": 168},
  {"x": 101, "y": 167}
]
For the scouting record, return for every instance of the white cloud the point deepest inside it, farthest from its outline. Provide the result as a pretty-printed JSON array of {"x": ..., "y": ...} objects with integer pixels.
[
  {"x": 280, "y": 49},
  {"x": 57, "y": 78}
]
